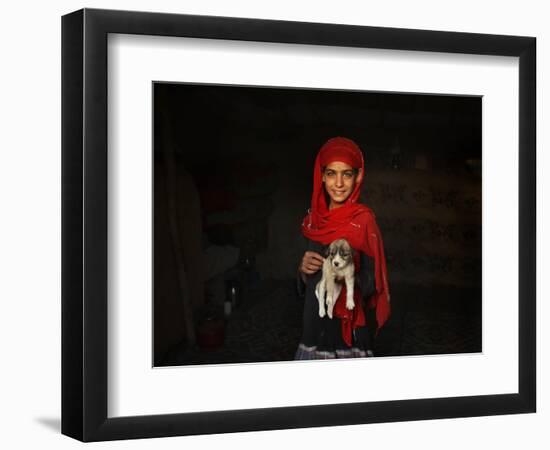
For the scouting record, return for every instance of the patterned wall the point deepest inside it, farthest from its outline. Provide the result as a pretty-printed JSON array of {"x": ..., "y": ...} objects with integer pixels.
[{"x": 431, "y": 224}]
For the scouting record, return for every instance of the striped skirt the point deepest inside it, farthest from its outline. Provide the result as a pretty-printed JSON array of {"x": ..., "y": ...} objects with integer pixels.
[{"x": 304, "y": 352}]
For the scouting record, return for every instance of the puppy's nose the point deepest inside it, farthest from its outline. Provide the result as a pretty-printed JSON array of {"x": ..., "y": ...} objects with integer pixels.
[{"x": 336, "y": 263}]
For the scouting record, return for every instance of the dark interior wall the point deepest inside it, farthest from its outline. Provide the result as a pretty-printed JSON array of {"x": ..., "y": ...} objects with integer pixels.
[{"x": 168, "y": 314}]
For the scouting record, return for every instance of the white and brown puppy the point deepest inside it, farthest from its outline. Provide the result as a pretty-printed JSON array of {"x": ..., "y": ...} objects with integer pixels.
[{"x": 337, "y": 267}]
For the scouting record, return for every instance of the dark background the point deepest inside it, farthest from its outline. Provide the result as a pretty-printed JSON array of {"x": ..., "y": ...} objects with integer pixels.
[{"x": 233, "y": 178}]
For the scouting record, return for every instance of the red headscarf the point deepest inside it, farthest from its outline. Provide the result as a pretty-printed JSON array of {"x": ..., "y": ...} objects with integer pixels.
[{"x": 352, "y": 221}]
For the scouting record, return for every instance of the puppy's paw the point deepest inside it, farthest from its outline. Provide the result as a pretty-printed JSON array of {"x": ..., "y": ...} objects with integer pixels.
[
  {"x": 329, "y": 312},
  {"x": 350, "y": 304},
  {"x": 322, "y": 312}
]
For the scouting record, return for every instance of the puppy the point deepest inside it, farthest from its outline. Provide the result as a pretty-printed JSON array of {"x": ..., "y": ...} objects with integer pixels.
[{"x": 337, "y": 267}]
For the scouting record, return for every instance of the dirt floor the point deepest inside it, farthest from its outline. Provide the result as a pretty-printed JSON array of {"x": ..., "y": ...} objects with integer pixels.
[{"x": 267, "y": 325}]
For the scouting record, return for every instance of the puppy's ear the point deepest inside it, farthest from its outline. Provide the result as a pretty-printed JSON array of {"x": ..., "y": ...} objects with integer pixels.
[
  {"x": 346, "y": 246},
  {"x": 326, "y": 252}
]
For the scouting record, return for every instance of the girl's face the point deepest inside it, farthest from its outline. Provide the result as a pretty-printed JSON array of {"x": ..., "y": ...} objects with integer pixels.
[{"x": 339, "y": 179}]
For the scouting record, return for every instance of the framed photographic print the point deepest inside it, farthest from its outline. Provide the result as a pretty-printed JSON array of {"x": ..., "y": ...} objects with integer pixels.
[{"x": 252, "y": 207}]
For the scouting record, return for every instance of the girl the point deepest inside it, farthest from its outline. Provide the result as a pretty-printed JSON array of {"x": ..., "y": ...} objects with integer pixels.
[{"x": 334, "y": 214}]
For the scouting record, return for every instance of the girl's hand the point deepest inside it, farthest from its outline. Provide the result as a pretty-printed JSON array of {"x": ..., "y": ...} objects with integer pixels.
[{"x": 311, "y": 263}]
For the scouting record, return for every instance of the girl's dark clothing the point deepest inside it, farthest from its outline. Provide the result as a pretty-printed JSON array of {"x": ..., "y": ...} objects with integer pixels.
[{"x": 322, "y": 337}]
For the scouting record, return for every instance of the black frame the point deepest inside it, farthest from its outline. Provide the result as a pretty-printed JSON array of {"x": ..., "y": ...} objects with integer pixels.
[{"x": 84, "y": 224}]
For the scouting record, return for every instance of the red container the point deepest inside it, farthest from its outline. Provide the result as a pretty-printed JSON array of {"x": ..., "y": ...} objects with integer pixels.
[{"x": 211, "y": 333}]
